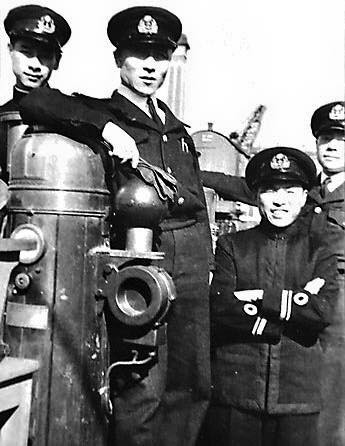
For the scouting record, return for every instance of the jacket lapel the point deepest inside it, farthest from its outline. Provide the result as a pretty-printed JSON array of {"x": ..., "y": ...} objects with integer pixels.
[
  {"x": 336, "y": 195},
  {"x": 171, "y": 122},
  {"x": 124, "y": 108}
]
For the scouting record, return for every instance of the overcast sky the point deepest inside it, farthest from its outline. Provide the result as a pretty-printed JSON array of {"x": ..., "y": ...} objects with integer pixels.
[{"x": 285, "y": 54}]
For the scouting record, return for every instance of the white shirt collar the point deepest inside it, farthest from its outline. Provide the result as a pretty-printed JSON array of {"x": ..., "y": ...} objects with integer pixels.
[
  {"x": 335, "y": 180},
  {"x": 140, "y": 101},
  {"x": 21, "y": 90}
]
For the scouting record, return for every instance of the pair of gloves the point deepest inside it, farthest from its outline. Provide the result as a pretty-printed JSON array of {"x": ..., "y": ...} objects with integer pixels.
[{"x": 164, "y": 183}]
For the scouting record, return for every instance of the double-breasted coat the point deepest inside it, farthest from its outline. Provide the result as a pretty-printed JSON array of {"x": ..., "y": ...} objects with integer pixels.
[{"x": 267, "y": 354}]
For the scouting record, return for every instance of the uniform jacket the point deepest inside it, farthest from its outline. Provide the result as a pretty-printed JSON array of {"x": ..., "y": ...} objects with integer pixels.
[
  {"x": 329, "y": 218},
  {"x": 267, "y": 356},
  {"x": 333, "y": 208}
]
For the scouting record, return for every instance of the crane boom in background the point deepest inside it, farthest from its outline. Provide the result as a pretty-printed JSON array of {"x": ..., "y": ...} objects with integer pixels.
[{"x": 244, "y": 142}]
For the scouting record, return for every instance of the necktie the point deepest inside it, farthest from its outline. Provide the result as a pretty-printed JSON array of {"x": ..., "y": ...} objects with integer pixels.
[
  {"x": 154, "y": 114},
  {"x": 324, "y": 187}
]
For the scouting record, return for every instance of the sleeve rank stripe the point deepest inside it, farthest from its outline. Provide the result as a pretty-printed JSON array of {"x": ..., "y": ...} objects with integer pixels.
[
  {"x": 257, "y": 322},
  {"x": 289, "y": 305},
  {"x": 283, "y": 304},
  {"x": 259, "y": 326}
]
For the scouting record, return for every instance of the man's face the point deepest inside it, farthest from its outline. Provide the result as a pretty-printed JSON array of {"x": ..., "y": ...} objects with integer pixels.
[
  {"x": 32, "y": 63},
  {"x": 143, "y": 70},
  {"x": 331, "y": 151},
  {"x": 281, "y": 203}
]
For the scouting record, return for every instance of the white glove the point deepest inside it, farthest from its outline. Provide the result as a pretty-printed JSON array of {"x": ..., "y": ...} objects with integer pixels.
[
  {"x": 315, "y": 285},
  {"x": 123, "y": 145},
  {"x": 249, "y": 295}
]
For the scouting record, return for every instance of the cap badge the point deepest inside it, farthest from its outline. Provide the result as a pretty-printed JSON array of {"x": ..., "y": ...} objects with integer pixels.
[
  {"x": 280, "y": 162},
  {"x": 337, "y": 113},
  {"x": 148, "y": 25},
  {"x": 45, "y": 25}
]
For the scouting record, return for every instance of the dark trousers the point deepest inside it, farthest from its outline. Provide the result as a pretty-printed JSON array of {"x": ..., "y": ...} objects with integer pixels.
[
  {"x": 228, "y": 426},
  {"x": 135, "y": 408},
  {"x": 167, "y": 407},
  {"x": 332, "y": 416}
]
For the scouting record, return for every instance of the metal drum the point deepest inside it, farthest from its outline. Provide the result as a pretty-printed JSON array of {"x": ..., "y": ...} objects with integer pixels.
[{"x": 58, "y": 197}]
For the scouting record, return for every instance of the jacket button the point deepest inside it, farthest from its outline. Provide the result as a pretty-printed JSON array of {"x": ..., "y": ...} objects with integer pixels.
[
  {"x": 301, "y": 299},
  {"x": 180, "y": 201},
  {"x": 169, "y": 170},
  {"x": 250, "y": 309},
  {"x": 165, "y": 138},
  {"x": 317, "y": 210}
]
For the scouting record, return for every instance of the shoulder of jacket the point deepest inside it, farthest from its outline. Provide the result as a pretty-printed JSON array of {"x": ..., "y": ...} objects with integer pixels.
[
  {"x": 87, "y": 98},
  {"x": 10, "y": 105}
]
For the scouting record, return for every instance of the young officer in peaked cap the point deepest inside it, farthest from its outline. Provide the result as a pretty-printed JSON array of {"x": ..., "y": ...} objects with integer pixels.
[
  {"x": 271, "y": 297},
  {"x": 328, "y": 202},
  {"x": 167, "y": 404},
  {"x": 37, "y": 35}
]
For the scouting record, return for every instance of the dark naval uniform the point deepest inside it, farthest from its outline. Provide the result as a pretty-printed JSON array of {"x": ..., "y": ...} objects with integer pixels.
[
  {"x": 329, "y": 218},
  {"x": 269, "y": 367},
  {"x": 267, "y": 356},
  {"x": 329, "y": 215},
  {"x": 166, "y": 407}
]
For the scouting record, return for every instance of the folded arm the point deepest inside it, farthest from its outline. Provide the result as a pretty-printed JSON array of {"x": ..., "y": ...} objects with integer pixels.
[{"x": 268, "y": 311}]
